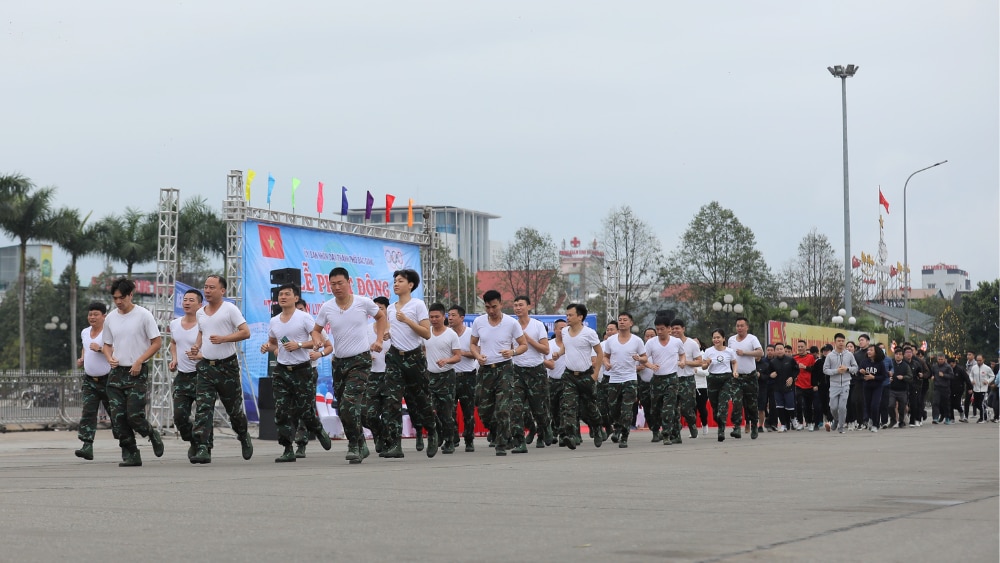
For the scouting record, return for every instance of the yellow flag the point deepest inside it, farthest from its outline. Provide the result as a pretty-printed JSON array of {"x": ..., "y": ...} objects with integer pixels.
[{"x": 250, "y": 177}]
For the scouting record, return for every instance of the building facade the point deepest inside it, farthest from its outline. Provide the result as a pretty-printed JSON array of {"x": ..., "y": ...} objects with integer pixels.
[
  {"x": 10, "y": 263},
  {"x": 947, "y": 278},
  {"x": 582, "y": 267}
]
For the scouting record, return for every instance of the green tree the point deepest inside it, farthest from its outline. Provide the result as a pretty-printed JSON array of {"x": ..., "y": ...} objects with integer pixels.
[
  {"x": 129, "y": 239},
  {"x": 201, "y": 231},
  {"x": 980, "y": 313},
  {"x": 531, "y": 266},
  {"x": 948, "y": 335},
  {"x": 631, "y": 245},
  {"x": 717, "y": 255},
  {"x": 455, "y": 284},
  {"x": 27, "y": 216},
  {"x": 78, "y": 239},
  {"x": 814, "y": 278}
]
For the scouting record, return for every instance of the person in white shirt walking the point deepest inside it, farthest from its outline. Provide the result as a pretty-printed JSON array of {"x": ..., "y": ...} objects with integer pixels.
[
  {"x": 744, "y": 387},
  {"x": 584, "y": 357},
  {"x": 623, "y": 352},
  {"x": 443, "y": 352},
  {"x": 530, "y": 385},
  {"x": 465, "y": 379},
  {"x": 94, "y": 386},
  {"x": 183, "y": 339}
]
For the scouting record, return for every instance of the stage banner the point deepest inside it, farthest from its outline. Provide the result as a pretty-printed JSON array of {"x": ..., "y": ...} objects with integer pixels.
[
  {"x": 266, "y": 247},
  {"x": 818, "y": 336}
]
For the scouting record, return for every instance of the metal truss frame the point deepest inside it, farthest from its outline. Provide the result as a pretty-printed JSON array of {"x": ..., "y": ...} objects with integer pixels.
[{"x": 160, "y": 396}]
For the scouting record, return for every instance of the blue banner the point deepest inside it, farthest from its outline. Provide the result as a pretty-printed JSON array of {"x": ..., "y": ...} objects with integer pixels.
[{"x": 266, "y": 247}]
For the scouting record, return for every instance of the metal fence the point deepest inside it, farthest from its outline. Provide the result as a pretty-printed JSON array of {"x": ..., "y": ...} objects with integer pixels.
[{"x": 45, "y": 398}]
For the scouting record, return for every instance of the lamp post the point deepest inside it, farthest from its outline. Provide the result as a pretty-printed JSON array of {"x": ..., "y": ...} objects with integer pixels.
[
  {"x": 906, "y": 260},
  {"x": 843, "y": 73},
  {"x": 727, "y": 306},
  {"x": 55, "y": 324}
]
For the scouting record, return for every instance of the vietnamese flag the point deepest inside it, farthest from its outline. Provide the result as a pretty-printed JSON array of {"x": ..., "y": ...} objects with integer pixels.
[
  {"x": 389, "y": 198},
  {"x": 882, "y": 201},
  {"x": 270, "y": 242}
]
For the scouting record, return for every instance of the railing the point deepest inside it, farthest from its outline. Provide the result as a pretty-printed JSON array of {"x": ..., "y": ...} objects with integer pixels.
[{"x": 45, "y": 398}]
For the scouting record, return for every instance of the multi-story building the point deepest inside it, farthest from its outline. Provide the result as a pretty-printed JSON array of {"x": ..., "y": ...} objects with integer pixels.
[
  {"x": 947, "y": 278},
  {"x": 10, "y": 263},
  {"x": 582, "y": 267}
]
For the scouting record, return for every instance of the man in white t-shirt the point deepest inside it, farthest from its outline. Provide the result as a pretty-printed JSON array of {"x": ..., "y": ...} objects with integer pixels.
[
  {"x": 94, "y": 387},
  {"x": 554, "y": 370},
  {"x": 289, "y": 338},
  {"x": 744, "y": 386},
  {"x": 131, "y": 338},
  {"x": 465, "y": 378},
  {"x": 530, "y": 385},
  {"x": 347, "y": 316},
  {"x": 183, "y": 338},
  {"x": 405, "y": 365},
  {"x": 496, "y": 339},
  {"x": 376, "y": 398},
  {"x": 622, "y": 352},
  {"x": 687, "y": 390},
  {"x": 302, "y": 434},
  {"x": 584, "y": 357},
  {"x": 644, "y": 392},
  {"x": 665, "y": 355},
  {"x": 220, "y": 326},
  {"x": 443, "y": 352}
]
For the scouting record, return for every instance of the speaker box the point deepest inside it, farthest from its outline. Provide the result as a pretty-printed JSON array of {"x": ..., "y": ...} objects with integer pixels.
[
  {"x": 286, "y": 275},
  {"x": 265, "y": 410}
]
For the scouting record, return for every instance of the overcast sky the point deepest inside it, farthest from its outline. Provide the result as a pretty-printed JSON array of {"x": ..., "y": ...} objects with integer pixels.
[{"x": 545, "y": 113}]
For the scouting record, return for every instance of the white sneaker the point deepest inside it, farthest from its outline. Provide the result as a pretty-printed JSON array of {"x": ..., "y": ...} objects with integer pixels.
[
  {"x": 919, "y": 424},
  {"x": 875, "y": 429},
  {"x": 811, "y": 427},
  {"x": 781, "y": 428}
]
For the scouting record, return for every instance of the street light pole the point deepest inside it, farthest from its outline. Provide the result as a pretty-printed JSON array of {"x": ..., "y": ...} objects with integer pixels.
[
  {"x": 843, "y": 73},
  {"x": 906, "y": 257}
]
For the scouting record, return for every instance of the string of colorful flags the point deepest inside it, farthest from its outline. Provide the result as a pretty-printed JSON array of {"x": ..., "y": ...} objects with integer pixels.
[{"x": 369, "y": 198}]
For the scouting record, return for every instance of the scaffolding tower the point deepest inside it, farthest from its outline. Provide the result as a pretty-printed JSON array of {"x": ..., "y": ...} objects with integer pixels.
[
  {"x": 160, "y": 397},
  {"x": 613, "y": 283}
]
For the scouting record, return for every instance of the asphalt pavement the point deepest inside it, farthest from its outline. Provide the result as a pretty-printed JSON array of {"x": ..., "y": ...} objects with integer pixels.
[{"x": 920, "y": 494}]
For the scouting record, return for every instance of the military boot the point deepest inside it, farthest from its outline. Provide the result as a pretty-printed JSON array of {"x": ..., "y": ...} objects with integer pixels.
[
  {"x": 395, "y": 451},
  {"x": 203, "y": 455},
  {"x": 133, "y": 460},
  {"x": 432, "y": 443},
  {"x": 520, "y": 448},
  {"x": 448, "y": 448},
  {"x": 246, "y": 446},
  {"x": 623, "y": 441},
  {"x": 550, "y": 439},
  {"x": 288, "y": 455},
  {"x": 599, "y": 437},
  {"x": 615, "y": 435},
  {"x": 86, "y": 451},
  {"x": 324, "y": 440},
  {"x": 420, "y": 441},
  {"x": 569, "y": 442},
  {"x": 531, "y": 436},
  {"x": 656, "y": 436},
  {"x": 300, "y": 451},
  {"x": 469, "y": 447},
  {"x": 192, "y": 449},
  {"x": 352, "y": 453},
  {"x": 363, "y": 449},
  {"x": 736, "y": 433},
  {"x": 154, "y": 438}
]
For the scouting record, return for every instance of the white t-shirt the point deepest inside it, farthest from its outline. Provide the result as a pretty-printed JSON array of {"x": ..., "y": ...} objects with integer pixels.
[
  {"x": 298, "y": 328},
  {"x": 691, "y": 352},
  {"x": 378, "y": 358},
  {"x": 664, "y": 355},
  {"x": 721, "y": 360},
  {"x": 184, "y": 340},
  {"x": 404, "y": 338},
  {"x": 620, "y": 357},
  {"x": 467, "y": 364},
  {"x": 560, "y": 363},
  {"x": 495, "y": 339},
  {"x": 224, "y": 322},
  {"x": 580, "y": 348},
  {"x": 94, "y": 363},
  {"x": 532, "y": 357},
  {"x": 347, "y": 327},
  {"x": 746, "y": 363},
  {"x": 441, "y": 347},
  {"x": 129, "y": 334}
]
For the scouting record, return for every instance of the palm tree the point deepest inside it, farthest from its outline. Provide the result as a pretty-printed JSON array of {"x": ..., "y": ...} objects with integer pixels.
[
  {"x": 78, "y": 239},
  {"x": 130, "y": 239},
  {"x": 200, "y": 229},
  {"x": 27, "y": 215}
]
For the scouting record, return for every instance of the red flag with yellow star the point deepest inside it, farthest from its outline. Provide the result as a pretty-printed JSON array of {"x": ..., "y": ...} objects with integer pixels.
[{"x": 270, "y": 242}]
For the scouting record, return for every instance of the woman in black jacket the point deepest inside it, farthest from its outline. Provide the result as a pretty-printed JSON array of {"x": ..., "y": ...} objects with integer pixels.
[{"x": 872, "y": 371}]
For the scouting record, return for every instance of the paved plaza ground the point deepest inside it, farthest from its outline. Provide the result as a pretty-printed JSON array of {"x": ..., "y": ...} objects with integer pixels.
[{"x": 921, "y": 494}]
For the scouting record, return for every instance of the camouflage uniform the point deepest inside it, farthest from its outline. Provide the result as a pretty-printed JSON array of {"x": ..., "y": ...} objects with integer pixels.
[
  {"x": 442, "y": 392},
  {"x": 496, "y": 409},
  {"x": 603, "y": 403},
  {"x": 301, "y": 433},
  {"x": 578, "y": 393},
  {"x": 746, "y": 391},
  {"x": 531, "y": 390},
  {"x": 687, "y": 392},
  {"x": 95, "y": 394},
  {"x": 621, "y": 398},
  {"x": 184, "y": 392},
  {"x": 555, "y": 402},
  {"x": 350, "y": 377},
  {"x": 722, "y": 388},
  {"x": 404, "y": 374},
  {"x": 650, "y": 410},
  {"x": 376, "y": 406},
  {"x": 218, "y": 379},
  {"x": 664, "y": 390},
  {"x": 465, "y": 395},
  {"x": 294, "y": 401},
  {"x": 127, "y": 402}
]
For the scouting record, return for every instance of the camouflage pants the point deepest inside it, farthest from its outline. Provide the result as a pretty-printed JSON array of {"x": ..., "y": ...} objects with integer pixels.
[
  {"x": 350, "y": 377},
  {"x": 495, "y": 406},
  {"x": 442, "y": 392},
  {"x": 294, "y": 401},
  {"x": 746, "y": 387},
  {"x": 555, "y": 401},
  {"x": 722, "y": 388},
  {"x": 603, "y": 404},
  {"x": 127, "y": 399},
  {"x": 465, "y": 395},
  {"x": 405, "y": 375},
  {"x": 184, "y": 392},
  {"x": 376, "y": 405},
  {"x": 650, "y": 409},
  {"x": 664, "y": 389},
  {"x": 531, "y": 390},
  {"x": 301, "y": 433},
  {"x": 578, "y": 393},
  {"x": 687, "y": 392},
  {"x": 621, "y": 398},
  {"x": 218, "y": 379},
  {"x": 95, "y": 393}
]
